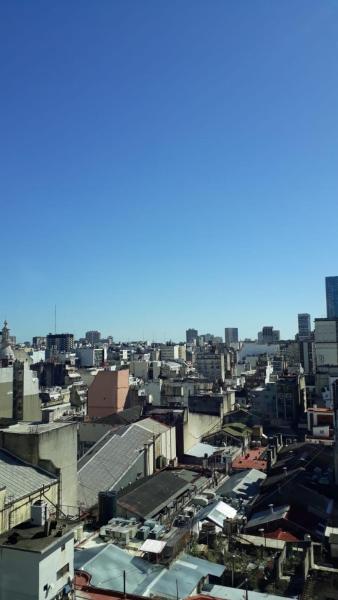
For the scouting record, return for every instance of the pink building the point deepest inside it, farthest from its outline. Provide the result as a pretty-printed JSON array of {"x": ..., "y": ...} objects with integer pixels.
[{"x": 108, "y": 393}]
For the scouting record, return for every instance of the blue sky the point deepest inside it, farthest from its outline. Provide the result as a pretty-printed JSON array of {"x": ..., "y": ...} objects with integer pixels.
[{"x": 167, "y": 164}]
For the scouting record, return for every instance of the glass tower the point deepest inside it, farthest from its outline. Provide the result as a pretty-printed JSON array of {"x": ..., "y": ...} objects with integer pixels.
[{"x": 332, "y": 297}]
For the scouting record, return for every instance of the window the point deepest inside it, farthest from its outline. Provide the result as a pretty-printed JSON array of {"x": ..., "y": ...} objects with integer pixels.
[{"x": 63, "y": 571}]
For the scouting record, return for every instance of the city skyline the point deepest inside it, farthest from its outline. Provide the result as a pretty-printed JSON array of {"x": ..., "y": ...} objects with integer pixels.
[{"x": 167, "y": 165}]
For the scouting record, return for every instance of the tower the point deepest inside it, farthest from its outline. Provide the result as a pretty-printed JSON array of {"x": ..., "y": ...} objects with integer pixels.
[{"x": 331, "y": 284}]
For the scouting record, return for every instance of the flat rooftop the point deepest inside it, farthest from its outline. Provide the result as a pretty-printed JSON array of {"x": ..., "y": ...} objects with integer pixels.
[
  {"x": 24, "y": 427},
  {"x": 252, "y": 459},
  {"x": 33, "y": 539}
]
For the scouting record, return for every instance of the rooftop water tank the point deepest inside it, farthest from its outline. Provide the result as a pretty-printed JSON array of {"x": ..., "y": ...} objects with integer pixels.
[{"x": 107, "y": 506}]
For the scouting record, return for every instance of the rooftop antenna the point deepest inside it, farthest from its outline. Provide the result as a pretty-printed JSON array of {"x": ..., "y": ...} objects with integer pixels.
[{"x": 55, "y": 318}]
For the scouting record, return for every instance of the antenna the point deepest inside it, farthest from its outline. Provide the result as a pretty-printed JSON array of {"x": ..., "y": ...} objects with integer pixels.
[{"x": 55, "y": 318}]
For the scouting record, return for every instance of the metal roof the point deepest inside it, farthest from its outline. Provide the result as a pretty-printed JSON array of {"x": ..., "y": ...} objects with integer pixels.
[
  {"x": 217, "y": 513},
  {"x": 268, "y": 516},
  {"x": 200, "y": 449},
  {"x": 229, "y": 593},
  {"x": 20, "y": 478},
  {"x": 244, "y": 484},
  {"x": 106, "y": 564},
  {"x": 150, "y": 497},
  {"x": 153, "y": 426},
  {"x": 153, "y": 546},
  {"x": 108, "y": 460}
]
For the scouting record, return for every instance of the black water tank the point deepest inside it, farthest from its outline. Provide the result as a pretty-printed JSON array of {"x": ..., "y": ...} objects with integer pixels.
[{"x": 107, "y": 506}]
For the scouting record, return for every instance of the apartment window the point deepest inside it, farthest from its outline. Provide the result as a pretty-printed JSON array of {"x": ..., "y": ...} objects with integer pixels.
[{"x": 63, "y": 571}]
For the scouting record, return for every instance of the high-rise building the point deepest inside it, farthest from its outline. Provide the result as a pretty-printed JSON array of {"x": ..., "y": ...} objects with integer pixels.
[
  {"x": 304, "y": 326},
  {"x": 60, "y": 342},
  {"x": 231, "y": 335},
  {"x": 331, "y": 284},
  {"x": 268, "y": 335},
  {"x": 191, "y": 336},
  {"x": 93, "y": 337}
]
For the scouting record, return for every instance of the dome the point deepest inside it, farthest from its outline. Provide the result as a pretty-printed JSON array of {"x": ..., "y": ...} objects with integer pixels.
[{"x": 7, "y": 353}]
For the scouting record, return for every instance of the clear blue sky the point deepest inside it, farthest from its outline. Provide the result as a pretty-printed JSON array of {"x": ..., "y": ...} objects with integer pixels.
[{"x": 167, "y": 164}]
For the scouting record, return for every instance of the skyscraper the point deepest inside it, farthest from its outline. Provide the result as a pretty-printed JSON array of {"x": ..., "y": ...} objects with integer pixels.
[
  {"x": 304, "y": 326},
  {"x": 331, "y": 297},
  {"x": 93, "y": 337},
  {"x": 231, "y": 335},
  {"x": 191, "y": 335}
]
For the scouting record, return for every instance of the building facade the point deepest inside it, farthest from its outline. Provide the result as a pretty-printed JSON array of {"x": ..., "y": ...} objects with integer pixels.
[
  {"x": 191, "y": 336},
  {"x": 210, "y": 364},
  {"x": 35, "y": 565},
  {"x": 108, "y": 393},
  {"x": 331, "y": 284},
  {"x": 60, "y": 342},
  {"x": 326, "y": 342},
  {"x": 231, "y": 335},
  {"x": 93, "y": 337},
  {"x": 304, "y": 326}
]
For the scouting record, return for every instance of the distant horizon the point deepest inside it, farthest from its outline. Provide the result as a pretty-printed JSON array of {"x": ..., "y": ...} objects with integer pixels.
[{"x": 167, "y": 163}]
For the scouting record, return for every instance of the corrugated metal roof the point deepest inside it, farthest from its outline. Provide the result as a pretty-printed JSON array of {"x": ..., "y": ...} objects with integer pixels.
[
  {"x": 217, "y": 513},
  {"x": 151, "y": 496},
  {"x": 106, "y": 566},
  {"x": 21, "y": 478},
  {"x": 268, "y": 516},
  {"x": 153, "y": 426},
  {"x": 111, "y": 457}
]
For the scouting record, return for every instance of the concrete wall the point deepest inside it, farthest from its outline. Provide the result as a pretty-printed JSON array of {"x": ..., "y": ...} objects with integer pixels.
[
  {"x": 91, "y": 432},
  {"x": 108, "y": 393},
  {"x": 197, "y": 426},
  {"x": 35, "y": 570},
  {"x": 6, "y": 392},
  {"x": 139, "y": 368}
]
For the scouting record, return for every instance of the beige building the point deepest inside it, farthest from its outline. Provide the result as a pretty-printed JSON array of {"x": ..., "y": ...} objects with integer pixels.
[
  {"x": 19, "y": 386},
  {"x": 108, "y": 393},
  {"x": 210, "y": 364},
  {"x": 326, "y": 342}
]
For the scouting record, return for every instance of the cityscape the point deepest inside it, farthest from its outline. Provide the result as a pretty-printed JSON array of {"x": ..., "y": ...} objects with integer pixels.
[
  {"x": 169, "y": 300},
  {"x": 203, "y": 468}
]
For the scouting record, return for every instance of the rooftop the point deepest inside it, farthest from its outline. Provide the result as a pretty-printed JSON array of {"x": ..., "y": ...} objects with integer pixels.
[
  {"x": 229, "y": 593},
  {"x": 107, "y": 562},
  {"x": 33, "y": 539},
  {"x": 244, "y": 484},
  {"x": 217, "y": 513},
  {"x": 151, "y": 496},
  {"x": 20, "y": 478},
  {"x": 109, "y": 459},
  {"x": 268, "y": 516},
  {"x": 200, "y": 449},
  {"x": 252, "y": 459},
  {"x": 32, "y": 427}
]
